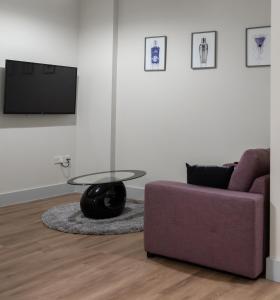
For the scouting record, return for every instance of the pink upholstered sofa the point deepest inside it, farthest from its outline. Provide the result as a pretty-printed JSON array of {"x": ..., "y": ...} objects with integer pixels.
[{"x": 222, "y": 229}]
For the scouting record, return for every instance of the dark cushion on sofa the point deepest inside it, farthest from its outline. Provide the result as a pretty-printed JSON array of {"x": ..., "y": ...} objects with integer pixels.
[
  {"x": 211, "y": 176},
  {"x": 253, "y": 164}
]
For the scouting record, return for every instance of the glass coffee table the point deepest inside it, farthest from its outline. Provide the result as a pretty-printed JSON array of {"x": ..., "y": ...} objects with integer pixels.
[{"x": 106, "y": 195}]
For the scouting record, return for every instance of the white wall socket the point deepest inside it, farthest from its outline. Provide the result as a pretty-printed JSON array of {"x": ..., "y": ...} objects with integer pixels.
[
  {"x": 60, "y": 159},
  {"x": 67, "y": 157}
]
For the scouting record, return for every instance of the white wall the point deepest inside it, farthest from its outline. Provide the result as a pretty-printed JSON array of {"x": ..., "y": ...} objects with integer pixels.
[
  {"x": 95, "y": 85},
  {"x": 39, "y": 31},
  {"x": 210, "y": 117},
  {"x": 273, "y": 263}
]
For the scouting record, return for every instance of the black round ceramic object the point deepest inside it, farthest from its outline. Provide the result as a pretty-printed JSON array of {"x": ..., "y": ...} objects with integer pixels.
[
  {"x": 104, "y": 201},
  {"x": 106, "y": 196}
]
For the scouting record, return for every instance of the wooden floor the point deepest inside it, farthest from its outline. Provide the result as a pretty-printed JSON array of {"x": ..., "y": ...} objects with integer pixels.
[{"x": 39, "y": 263}]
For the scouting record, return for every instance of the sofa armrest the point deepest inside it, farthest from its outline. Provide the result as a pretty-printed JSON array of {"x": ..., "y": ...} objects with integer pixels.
[
  {"x": 213, "y": 227},
  {"x": 261, "y": 185}
]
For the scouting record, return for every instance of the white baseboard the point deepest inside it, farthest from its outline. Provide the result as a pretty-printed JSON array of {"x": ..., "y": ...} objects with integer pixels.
[
  {"x": 80, "y": 189},
  {"x": 133, "y": 192},
  {"x": 30, "y": 195},
  {"x": 272, "y": 269}
]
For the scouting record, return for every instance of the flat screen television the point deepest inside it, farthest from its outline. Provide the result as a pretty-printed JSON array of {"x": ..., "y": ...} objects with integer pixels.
[{"x": 33, "y": 88}]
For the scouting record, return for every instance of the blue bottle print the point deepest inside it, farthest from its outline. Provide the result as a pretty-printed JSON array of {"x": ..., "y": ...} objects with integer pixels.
[{"x": 155, "y": 54}]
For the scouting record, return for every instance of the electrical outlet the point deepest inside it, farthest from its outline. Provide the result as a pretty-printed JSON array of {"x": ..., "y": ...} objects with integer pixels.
[
  {"x": 64, "y": 160},
  {"x": 67, "y": 157}
]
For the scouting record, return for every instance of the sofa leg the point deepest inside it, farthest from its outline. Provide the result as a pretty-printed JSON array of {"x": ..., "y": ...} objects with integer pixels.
[{"x": 150, "y": 255}]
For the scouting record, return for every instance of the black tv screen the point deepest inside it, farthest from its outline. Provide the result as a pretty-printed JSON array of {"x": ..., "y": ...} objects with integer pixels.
[{"x": 33, "y": 88}]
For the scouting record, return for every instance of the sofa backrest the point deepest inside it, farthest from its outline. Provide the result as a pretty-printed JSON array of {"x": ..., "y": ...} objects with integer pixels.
[{"x": 254, "y": 163}]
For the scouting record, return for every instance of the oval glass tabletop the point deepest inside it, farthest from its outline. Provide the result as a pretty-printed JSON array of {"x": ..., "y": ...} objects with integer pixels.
[{"x": 106, "y": 177}]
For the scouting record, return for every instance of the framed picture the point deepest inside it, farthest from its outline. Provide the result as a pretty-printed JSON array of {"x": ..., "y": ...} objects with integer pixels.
[
  {"x": 204, "y": 49},
  {"x": 155, "y": 53},
  {"x": 258, "y": 40}
]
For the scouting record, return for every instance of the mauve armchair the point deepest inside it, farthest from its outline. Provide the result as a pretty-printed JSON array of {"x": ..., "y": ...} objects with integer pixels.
[{"x": 222, "y": 229}]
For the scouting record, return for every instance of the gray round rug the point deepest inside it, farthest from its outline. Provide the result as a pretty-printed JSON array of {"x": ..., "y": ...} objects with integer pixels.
[{"x": 69, "y": 218}]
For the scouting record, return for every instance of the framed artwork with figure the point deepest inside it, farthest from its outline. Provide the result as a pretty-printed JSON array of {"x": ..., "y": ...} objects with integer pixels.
[
  {"x": 155, "y": 53},
  {"x": 258, "y": 41},
  {"x": 204, "y": 52}
]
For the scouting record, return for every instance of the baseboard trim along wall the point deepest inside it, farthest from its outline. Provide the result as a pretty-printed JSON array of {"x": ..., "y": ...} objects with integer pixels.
[
  {"x": 272, "y": 269},
  {"x": 39, "y": 193},
  {"x": 45, "y": 192},
  {"x": 133, "y": 192}
]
